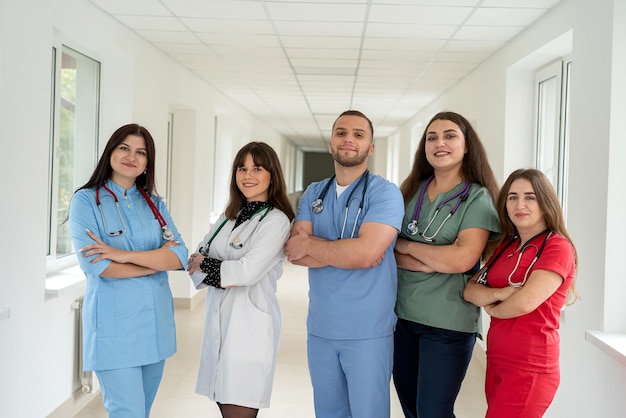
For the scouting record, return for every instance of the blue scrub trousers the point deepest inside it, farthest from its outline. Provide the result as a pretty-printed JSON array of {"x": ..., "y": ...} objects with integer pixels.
[
  {"x": 351, "y": 378},
  {"x": 129, "y": 392},
  {"x": 429, "y": 367}
]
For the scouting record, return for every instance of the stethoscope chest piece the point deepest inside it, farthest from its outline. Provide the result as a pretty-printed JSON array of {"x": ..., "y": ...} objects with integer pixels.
[
  {"x": 317, "y": 205},
  {"x": 412, "y": 228},
  {"x": 167, "y": 233}
]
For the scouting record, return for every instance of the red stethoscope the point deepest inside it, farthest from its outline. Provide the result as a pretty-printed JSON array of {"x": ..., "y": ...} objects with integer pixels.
[{"x": 165, "y": 231}]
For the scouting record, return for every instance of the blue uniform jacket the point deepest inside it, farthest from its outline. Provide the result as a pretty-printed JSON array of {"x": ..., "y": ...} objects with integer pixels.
[{"x": 126, "y": 322}]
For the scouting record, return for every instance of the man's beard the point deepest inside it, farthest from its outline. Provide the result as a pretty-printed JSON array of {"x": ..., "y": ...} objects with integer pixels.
[{"x": 349, "y": 161}]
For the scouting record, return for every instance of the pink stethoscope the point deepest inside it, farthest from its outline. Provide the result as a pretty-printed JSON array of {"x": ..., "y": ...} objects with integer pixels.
[
  {"x": 461, "y": 196},
  {"x": 165, "y": 231}
]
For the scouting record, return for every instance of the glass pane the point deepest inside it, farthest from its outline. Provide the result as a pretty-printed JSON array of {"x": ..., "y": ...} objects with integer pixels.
[
  {"x": 78, "y": 127},
  {"x": 51, "y": 154},
  {"x": 548, "y": 129}
]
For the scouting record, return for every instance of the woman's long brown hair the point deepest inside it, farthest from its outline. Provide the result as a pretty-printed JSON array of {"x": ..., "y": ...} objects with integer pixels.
[
  {"x": 475, "y": 166},
  {"x": 103, "y": 170},
  {"x": 548, "y": 202},
  {"x": 263, "y": 156}
]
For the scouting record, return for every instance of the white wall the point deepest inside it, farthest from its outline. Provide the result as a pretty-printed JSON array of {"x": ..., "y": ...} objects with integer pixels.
[
  {"x": 138, "y": 84},
  {"x": 593, "y": 383}
]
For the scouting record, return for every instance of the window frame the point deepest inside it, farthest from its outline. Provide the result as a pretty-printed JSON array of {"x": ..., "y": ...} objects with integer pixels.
[
  {"x": 54, "y": 260},
  {"x": 561, "y": 71}
]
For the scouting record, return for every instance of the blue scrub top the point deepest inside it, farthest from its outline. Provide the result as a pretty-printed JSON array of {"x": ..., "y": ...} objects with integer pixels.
[
  {"x": 358, "y": 303},
  {"x": 126, "y": 322}
]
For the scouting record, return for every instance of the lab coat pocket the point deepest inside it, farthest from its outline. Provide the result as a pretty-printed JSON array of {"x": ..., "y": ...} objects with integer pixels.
[
  {"x": 250, "y": 341},
  {"x": 250, "y": 332}
]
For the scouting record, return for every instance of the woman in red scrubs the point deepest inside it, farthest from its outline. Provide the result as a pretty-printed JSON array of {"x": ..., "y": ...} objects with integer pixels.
[{"x": 523, "y": 287}]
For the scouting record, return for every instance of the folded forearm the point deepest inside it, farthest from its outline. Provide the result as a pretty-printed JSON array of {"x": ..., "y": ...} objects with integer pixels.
[
  {"x": 125, "y": 271},
  {"x": 345, "y": 253},
  {"x": 161, "y": 259}
]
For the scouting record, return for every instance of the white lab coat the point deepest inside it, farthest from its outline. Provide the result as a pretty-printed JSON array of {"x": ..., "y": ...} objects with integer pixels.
[{"x": 242, "y": 324}]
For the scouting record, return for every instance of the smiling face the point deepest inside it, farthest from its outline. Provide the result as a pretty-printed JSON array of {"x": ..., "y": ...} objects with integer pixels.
[
  {"x": 445, "y": 145},
  {"x": 129, "y": 160},
  {"x": 351, "y": 141},
  {"x": 253, "y": 181},
  {"x": 523, "y": 208}
]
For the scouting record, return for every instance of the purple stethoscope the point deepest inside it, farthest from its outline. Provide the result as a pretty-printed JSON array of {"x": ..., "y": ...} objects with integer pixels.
[{"x": 461, "y": 196}]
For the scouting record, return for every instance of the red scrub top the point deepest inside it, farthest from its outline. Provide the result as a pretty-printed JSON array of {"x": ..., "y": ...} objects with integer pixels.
[{"x": 531, "y": 342}]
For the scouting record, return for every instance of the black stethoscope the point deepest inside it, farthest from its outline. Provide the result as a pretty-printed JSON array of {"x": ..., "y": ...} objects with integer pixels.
[
  {"x": 482, "y": 279},
  {"x": 236, "y": 243},
  {"x": 165, "y": 231},
  {"x": 461, "y": 196},
  {"x": 318, "y": 204}
]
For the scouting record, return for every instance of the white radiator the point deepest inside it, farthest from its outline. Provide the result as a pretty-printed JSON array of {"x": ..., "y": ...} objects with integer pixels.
[{"x": 88, "y": 380}]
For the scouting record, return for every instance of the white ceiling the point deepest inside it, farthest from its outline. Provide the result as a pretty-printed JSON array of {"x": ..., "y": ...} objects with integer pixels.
[{"x": 297, "y": 64}]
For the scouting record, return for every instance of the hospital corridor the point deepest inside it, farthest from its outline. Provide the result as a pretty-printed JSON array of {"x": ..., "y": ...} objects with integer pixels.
[
  {"x": 541, "y": 84},
  {"x": 292, "y": 396}
]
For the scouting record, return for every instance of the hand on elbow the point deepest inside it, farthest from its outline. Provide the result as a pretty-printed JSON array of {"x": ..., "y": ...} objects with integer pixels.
[{"x": 371, "y": 261}]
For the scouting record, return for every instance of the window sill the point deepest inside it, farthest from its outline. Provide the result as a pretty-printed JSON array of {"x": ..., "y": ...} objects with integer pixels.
[
  {"x": 612, "y": 344},
  {"x": 65, "y": 281},
  {"x": 4, "y": 314}
]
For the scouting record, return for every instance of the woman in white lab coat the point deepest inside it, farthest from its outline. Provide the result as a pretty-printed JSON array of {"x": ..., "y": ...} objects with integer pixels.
[{"x": 240, "y": 261}]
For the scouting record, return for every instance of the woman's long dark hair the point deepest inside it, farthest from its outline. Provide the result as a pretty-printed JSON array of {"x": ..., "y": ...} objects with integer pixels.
[
  {"x": 104, "y": 170},
  {"x": 263, "y": 156},
  {"x": 475, "y": 165},
  {"x": 548, "y": 202}
]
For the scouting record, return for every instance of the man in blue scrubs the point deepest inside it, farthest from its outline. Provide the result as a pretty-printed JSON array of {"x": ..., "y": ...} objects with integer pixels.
[{"x": 345, "y": 231}]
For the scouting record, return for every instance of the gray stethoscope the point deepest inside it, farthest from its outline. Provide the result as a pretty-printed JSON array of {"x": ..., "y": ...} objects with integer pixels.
[
  {"x": 461, "y": 196},
  {"x": 318, "y": 204},
  {"x": 236, "y": 243},
  {"x": 166, "y": 233},
  {"x": 482, "y": 279}
]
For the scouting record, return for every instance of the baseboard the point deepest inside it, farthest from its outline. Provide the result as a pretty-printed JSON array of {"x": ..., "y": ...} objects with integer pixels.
[
  {"x": 74, "y": 404},
  {"x": 190, "y": 303}
]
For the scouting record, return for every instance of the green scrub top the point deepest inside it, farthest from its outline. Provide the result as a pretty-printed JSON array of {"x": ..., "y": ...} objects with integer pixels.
[{"x": 436, "y": 299}]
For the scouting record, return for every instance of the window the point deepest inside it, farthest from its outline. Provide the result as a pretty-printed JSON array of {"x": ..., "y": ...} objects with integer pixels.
[
  {"x": 73, "y": 140},
  {"x": 170, "y": 152},
  {"x": 552, "y": 126}
]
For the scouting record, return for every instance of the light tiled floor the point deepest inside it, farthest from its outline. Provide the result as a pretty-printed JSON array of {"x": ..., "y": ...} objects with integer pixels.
[{"x": 292, "y": 394}]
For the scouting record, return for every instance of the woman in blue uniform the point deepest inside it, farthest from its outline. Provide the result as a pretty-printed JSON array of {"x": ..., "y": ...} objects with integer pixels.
[{"x": 126, "y": 242}]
